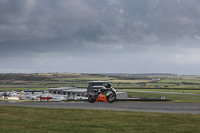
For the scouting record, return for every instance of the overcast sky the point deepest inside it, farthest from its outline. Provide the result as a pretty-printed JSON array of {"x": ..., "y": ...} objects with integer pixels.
[{"x": 100, "y": 36}]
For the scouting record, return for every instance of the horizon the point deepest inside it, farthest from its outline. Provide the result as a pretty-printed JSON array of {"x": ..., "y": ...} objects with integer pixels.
[{"x": 104, "y": 73}]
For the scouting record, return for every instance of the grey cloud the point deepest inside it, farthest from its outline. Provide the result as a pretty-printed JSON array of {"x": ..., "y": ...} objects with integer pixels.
[
  {"x": 138, "y": 21},
  {"x": 117, "y": 30}
]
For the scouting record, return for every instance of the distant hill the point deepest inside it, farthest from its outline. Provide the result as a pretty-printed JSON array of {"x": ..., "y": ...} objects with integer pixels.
[{"x": 140, "y": 74}]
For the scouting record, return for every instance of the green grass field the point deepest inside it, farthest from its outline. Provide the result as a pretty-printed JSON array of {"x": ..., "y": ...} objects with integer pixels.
[
  {"x": 43, "y": 120},
  {"x": 48, "y": 80}
]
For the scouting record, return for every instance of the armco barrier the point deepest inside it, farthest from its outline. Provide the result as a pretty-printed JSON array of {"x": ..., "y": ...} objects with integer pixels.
[
  {"x": 43, "y": 97},
  {"x": 49, "y": 98}
]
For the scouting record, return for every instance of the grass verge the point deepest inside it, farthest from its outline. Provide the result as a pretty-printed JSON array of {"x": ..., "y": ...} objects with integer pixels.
[
  {"x": 163, "y": 90},
  {"x": 40, "y": 120},
  {"x": 174, "y": 97}
]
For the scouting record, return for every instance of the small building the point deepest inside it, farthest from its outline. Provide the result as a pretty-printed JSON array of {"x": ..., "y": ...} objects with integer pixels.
[
  {"x": 155, "y": 79},
  {"x": 159, "y": 86},
  {"x": 59, "y": 90},
  {"x": 32, "y": 91},
  {"x": 69, "y": 92},
  {"x": 74, "y": 93}
]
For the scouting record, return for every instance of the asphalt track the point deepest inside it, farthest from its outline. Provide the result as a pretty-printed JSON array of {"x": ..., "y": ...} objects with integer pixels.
[{"x": 185, "y": 108}]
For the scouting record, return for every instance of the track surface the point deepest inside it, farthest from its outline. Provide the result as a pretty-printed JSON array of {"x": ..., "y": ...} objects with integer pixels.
[{"x": 186, "y": 108}]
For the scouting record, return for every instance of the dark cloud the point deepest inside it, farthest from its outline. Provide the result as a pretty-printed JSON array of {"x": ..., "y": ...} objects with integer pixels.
[{"x": 71, "y": 33}]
